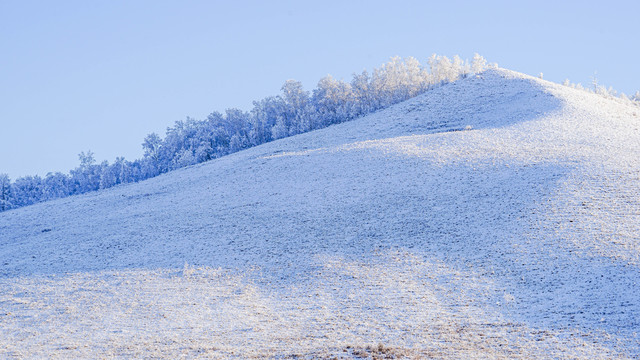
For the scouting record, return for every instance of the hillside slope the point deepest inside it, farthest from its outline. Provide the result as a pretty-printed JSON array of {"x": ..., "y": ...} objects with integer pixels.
[{"x": 494, "y": 217}]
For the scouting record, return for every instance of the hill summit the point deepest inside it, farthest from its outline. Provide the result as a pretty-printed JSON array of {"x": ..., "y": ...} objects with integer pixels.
[{"x": 493, "y": 217}]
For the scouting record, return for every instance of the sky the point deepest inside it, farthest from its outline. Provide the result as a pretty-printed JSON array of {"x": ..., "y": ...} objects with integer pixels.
[{"x": 101, "y": 75}]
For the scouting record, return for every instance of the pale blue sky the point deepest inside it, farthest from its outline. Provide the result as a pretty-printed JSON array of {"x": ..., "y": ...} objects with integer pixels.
[{"x": 100, "y": 75}]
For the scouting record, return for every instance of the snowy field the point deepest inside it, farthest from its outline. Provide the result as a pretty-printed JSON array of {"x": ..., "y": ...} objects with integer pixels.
[{"x": 497, "y": 217}]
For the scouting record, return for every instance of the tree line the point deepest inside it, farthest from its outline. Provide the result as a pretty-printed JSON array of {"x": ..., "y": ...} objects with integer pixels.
[{"x": 293, "y": 111}]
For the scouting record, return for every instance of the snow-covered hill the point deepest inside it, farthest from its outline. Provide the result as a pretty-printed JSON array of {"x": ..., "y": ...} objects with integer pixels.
[{"x": 494, "y": 217}]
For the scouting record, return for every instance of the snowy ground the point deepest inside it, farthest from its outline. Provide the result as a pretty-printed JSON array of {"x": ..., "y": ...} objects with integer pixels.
[{"x": 496, "y": 217}]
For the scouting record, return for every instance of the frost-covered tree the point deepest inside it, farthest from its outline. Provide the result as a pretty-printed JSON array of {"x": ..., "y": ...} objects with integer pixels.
[
  {"x": 478, "y": 64},
  {"x": 397, "y": 81},
  {"x": 151, "y": 146},
  {"x": 57, "y": 185},
  {"x": 184, "y": 158},
  {"x": 363, "y": 97},
  {"x": 447, "y": 70},
  {"x": 213, "y": 137},
  {"x": 237, "y": 129},
  {"x": 121, "y": 170},
  {"x": 264, "y": 116},
  {"x": 332, "y": 100},
  {"x": 135, "y": 170},
  {"x": 280, "y": 129},
  {"x": 27, "y": 190},
  {"x": 86, "y": 159},
  {"x": 416, "y": 78},
  {"x": 386, "y": 83},
  {"x": 85, "y": 177},
  {"x": 108, "y": 175},
  {"x": 295, "y": 107},
  {"x": 5, "y": 192}
]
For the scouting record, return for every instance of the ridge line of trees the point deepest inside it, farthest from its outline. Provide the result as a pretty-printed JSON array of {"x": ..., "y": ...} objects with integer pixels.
[{"x": 293, "y": 111}]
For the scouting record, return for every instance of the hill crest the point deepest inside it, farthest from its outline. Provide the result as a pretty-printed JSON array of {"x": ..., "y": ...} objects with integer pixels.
[{"x": 499, "y": 204}]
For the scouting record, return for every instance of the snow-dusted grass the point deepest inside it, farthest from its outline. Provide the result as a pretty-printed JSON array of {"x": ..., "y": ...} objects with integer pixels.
[
  {"x": 393, "y": 298},
  {"x": 500, "y": 221}
]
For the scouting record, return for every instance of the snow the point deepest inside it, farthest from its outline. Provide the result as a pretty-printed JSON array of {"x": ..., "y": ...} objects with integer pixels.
[{"x": 494, "y": 217}]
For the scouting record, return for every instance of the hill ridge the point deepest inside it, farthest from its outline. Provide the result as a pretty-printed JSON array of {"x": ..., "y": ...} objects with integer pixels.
[{"x": 494, "y": 216}]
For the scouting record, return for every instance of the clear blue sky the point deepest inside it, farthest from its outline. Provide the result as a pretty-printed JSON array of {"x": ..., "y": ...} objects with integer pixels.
[{"x": 100, "y": 75}]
